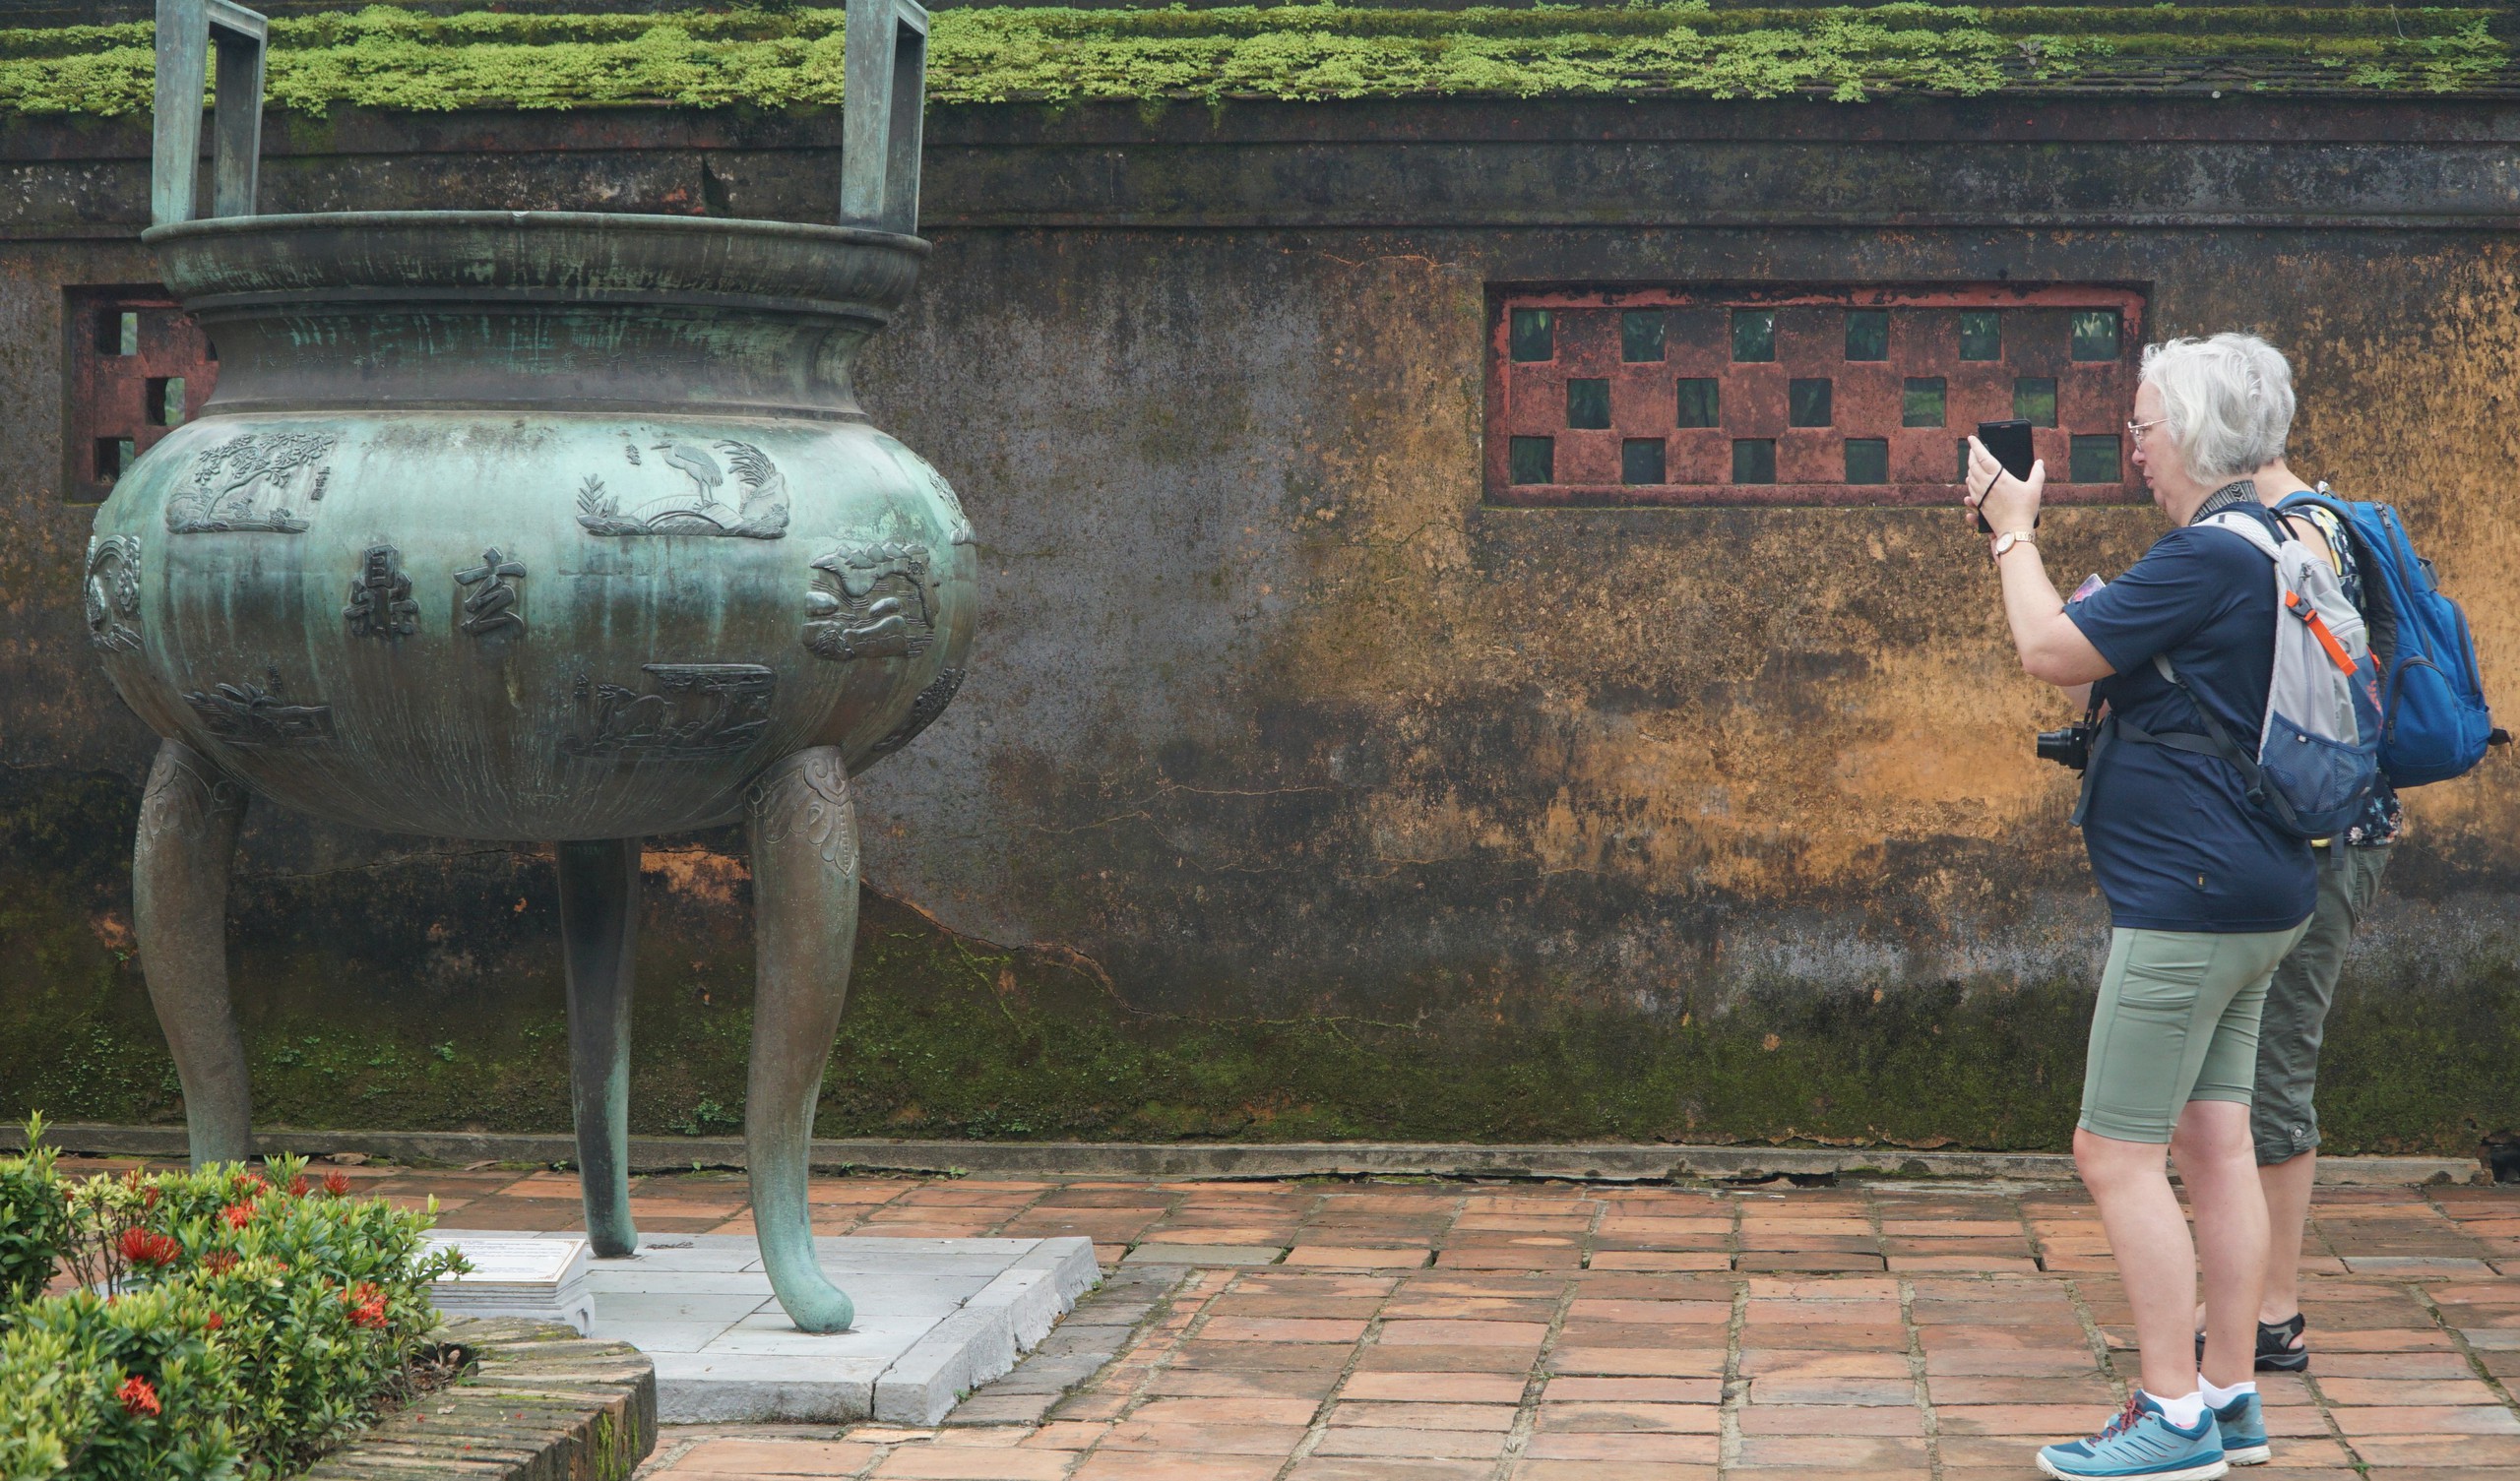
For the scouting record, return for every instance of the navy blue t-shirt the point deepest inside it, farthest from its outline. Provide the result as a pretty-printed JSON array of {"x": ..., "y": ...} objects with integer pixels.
[{"x": 2175, "y": 842}]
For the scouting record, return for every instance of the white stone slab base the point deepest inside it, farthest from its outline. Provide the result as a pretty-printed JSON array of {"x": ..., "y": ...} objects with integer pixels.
[
  {"x": 542, "y": 1278},
  {"x": 936, "y": 1317}
]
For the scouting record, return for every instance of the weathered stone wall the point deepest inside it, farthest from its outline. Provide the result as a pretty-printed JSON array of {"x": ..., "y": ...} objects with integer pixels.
[{"x": 1295, "y": 792}]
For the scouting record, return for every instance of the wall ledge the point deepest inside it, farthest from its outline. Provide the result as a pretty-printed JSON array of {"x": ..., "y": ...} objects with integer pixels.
[{"x": 1597, "y": 1162}]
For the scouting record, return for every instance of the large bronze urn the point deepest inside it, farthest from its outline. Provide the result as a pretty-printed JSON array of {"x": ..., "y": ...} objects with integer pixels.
[{"x": 540, "y": 527}]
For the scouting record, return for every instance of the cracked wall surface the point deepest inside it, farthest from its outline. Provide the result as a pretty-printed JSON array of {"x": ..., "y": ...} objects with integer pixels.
[{"x": 1294, "y": 790}]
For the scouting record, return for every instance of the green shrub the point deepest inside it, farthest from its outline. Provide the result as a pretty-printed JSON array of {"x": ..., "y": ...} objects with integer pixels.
[
  {"x": 129, "y": 1387},
  {"x": 231, "y": 1322},
  {"x": 35, "y": 1221}
]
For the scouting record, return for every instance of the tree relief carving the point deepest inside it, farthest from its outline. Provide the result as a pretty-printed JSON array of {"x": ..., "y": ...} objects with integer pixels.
[
  {"x": 113, "y": 593},
  {"x": 696, "y": 500},
  {"x": 870, "y": 601},
  {"x": 252, "y": 482}
]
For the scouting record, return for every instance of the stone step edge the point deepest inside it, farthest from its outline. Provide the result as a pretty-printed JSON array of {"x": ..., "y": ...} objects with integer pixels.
[
  {"x": 996, "y": 1327},
  {"x": 538, "y": 1408},
  {"x": 1599, "y": 1162}
]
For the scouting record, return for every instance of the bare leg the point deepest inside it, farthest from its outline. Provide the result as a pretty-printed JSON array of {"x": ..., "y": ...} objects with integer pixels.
[
  {"x": 2156, "y": 1260},
  {"x": 2287, "y": 1186},
  {"x": 179, "y": 868},
  {"x": 598, "y": 937},
  {"x": 2219, "y": 1165},
  {"x": 804, "y": 891}
]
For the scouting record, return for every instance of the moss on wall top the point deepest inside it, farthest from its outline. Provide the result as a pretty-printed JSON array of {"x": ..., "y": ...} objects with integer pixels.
[{"x": 782, "y": 56}]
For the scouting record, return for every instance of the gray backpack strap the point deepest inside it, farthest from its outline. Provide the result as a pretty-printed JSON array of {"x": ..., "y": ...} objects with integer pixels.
[{"x": 2216, "y": 741}]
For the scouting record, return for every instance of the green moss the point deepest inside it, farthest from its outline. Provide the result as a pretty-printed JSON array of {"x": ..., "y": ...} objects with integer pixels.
[
  {"x": 351, "y": 1021},
  {"x": 786, "y": 58}
]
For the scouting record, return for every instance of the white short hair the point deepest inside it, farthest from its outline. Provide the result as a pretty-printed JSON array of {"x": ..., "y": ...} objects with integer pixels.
[
  {"x": 2227, "y": 401},
  {"x": 2275, "y": 374}
]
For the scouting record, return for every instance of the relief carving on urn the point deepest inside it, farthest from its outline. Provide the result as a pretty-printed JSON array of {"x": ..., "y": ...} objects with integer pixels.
[
  {"x": 870, "y": 601},
  {"x": 253, "y": 483},
  {"x": 113, "y": 593},
  {"x": 756, "y": 509},
  {"x": 626, "y": 416}
]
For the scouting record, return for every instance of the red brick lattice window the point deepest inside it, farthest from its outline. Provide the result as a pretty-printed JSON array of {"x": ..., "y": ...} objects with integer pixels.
[
  {"x": 1680, "y": 396},
  {"x": 135, "y": 367}
]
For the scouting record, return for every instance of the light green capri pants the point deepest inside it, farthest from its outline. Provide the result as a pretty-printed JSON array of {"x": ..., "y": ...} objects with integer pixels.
[{"x": 2177, "y": 1021}]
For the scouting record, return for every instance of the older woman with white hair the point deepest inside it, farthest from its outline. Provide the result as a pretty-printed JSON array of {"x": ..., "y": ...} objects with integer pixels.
[{"x": 2206, "y": 894}]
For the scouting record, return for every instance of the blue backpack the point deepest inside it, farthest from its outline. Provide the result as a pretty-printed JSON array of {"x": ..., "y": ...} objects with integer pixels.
[
  {"x": 2312, "y": 763},
  {"x": 2433, "y": 720}
]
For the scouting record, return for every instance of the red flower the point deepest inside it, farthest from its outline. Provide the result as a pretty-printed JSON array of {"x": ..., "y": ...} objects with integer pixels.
[
  {"x": 143, "y": 1247},
  {"x": 218, "y": 1261},
  {"x": 367, "y": 1305},
  {"x": 338, "y": 1184},
  {"x": 297, "y": 1187},
  {"x": 138, "y": 1397},
  {"x": 214, "y": 1321},
  {"x": 253, "y": 1182},
  {"x": 149, "y": 1198},
  {"x": 239, "y": 1215}
]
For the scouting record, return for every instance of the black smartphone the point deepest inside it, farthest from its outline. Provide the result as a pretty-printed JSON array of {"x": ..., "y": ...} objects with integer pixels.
[{"x": 2009, "y": 442}]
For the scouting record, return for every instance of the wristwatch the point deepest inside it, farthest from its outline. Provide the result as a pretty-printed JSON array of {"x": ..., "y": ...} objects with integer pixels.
[{"x": 2008, "y": 539}]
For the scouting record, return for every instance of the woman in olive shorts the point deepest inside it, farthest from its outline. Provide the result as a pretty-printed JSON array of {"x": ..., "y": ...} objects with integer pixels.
[
  {"x": 2206, "y": 895},
  {"x": 2283, "y": 1120}
]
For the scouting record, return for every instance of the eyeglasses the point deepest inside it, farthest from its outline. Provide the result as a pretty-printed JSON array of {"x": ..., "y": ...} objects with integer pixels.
[{"x": 2135, "y": 430}]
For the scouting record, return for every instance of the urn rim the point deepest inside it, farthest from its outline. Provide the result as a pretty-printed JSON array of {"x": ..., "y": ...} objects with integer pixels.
[
  {"x": 593, "y": 310},
  {"x": 245, "y": 265}
]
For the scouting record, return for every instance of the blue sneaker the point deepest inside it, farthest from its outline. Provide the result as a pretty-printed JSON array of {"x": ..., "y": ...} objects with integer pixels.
[
  {"x": 2141, "y": 1442},
  {"x": 2243, "y": 1427}
]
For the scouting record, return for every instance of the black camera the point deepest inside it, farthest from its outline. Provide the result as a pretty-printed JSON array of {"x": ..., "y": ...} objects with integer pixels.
[{"x": 2070, "y": 747}]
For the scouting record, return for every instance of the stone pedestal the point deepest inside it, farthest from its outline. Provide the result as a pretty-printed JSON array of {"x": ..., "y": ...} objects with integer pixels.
[{"x": 936, "y": 1319}]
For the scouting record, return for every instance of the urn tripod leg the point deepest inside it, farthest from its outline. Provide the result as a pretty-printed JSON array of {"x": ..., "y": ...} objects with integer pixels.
[
  {"x": 599, "y": 939},
  {"x": 188, "y": 845},
  {"x": 804, "y": 873}
]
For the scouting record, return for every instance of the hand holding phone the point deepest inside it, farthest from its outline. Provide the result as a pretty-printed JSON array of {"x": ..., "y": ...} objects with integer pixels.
[{"x": 2008, "y": 442}]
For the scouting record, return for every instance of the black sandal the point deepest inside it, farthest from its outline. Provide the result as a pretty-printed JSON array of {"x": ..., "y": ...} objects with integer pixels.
[{"x": 2274, "y": 1350}]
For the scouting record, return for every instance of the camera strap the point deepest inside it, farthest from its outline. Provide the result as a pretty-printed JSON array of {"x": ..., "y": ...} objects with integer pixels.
[{"x": 2101, "y": 734}]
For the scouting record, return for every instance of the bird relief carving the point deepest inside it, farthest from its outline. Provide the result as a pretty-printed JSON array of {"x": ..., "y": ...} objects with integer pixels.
[{"x": 699, "y": 500}]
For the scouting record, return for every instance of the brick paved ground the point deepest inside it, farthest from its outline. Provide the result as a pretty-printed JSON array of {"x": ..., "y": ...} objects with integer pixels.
[{"x": 1451, "y": 1331}]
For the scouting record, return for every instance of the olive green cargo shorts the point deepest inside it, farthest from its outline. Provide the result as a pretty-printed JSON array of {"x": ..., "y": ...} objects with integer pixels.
[
  {"x": 2282, "y": 1121},
  {"x": 2177, "y": 1021}
]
